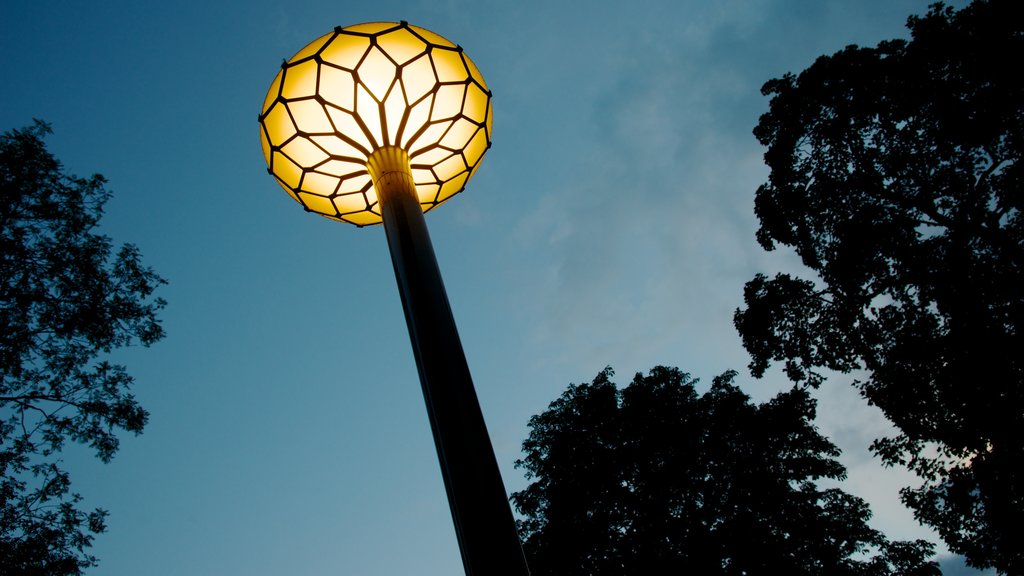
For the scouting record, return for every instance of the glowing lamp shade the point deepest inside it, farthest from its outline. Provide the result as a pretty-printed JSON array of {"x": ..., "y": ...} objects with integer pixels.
[{"x": 368, "y": 88}]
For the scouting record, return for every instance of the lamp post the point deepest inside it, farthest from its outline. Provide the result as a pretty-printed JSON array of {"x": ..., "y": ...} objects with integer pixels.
[{"x": 379, "y": 123}]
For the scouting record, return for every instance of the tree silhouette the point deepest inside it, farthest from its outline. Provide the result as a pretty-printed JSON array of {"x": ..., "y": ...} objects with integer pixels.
[
  {"x": 896, "y": 176},
  {"x": 66, "y": 301},
  {"x": 658, "y": 479}
]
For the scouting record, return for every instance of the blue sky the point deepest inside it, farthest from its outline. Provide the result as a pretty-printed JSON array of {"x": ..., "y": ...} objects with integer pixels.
[{"x": 611, "y": 224}]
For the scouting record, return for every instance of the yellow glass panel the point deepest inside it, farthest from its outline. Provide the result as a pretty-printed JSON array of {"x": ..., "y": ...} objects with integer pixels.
[
  {"x": 337, "y": 147},
  {"x": 430, "y": 136},
  {"x": 299, "y": 80},
  {"x": 370, "y": 27},
  {"x": 418, "y": 78},
  {"x": 287, "y": 171},
  {"x": 475, "y": 72},
  {"x": 449, "y": 168},
  {"x": 311, "y": 48},
  {"x": 453, "y": 186},
  {"x": 272, "y": 92},
  {"x": 265, "y": 145},
  {"x": 339, "y": 98},
  {"x": 368, "y": 110},
  {"x": 476, "y": 148},
  {"x": 459, "y": 134},
  {"x": 448, "y": 64},
  {"x": 357, "y": 183},
  {"x": 346, "y": 51},
  {"x": 401, "y": 45},
  {"x": 429, "y": 36},
  {"x": 430, "y": 157},
  {"x": 377, "y": 73},
  {"x": 288, "y": 190},
  {"x": 476, "y": 104},
  {"x": 394, "y": 109},
  {"x": 448, "y": 101},
  {"x": 363, "y": 218},
  {"x": 346, "y": 203},
  {"x": 341, "y": 168},
  {"x": 345, "y": 124},
  {"x": 427, "y": 193},
  {"x": 279, "y": 125},
  {"x": 318, "y": 203},
  {"x": 418, "y": 117},
  {"x": 337, "y": 87},
  {"x": 321, "y": 184},
  {"x": 423, "y": 177},
  {"x": 310, "y": 117},
  {"x": 304, "y": 152},
  {"x": 440, "y": 202}
]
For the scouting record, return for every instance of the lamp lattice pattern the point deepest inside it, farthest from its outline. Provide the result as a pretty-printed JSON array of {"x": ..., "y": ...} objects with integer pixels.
[{"x": 365, "y": 87}]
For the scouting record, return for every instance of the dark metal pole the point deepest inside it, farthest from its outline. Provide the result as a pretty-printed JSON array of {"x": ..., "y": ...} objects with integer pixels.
[{"x": 483, "y": 519}]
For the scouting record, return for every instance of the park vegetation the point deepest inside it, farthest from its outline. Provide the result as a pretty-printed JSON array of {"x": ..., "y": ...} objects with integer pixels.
[{"x": 68, "y": 299}]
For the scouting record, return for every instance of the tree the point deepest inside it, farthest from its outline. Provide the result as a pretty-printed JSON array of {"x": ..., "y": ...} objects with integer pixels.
[
  {"x": 656, "y": 479},
  {"x": 896, "y": 176},
  {"x": 66, "y": 302}
]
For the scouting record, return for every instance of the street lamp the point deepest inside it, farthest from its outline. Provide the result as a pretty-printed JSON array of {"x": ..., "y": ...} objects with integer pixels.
[{"x": 379, "y": 123}]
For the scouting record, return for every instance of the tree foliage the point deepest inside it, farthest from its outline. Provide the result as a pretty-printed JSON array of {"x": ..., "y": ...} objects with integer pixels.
[
  {"x": 658, "y": 479},
  {"x": 66, "y": 301},
  {"x": 896, "y": 176}
]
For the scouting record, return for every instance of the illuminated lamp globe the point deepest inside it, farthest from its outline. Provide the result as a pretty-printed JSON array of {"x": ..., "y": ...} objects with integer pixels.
[{"x": 371, "y": 99}]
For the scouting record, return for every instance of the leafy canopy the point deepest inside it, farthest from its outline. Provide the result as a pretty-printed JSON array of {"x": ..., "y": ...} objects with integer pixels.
[
  {"x": 896, "y": 176},
  {"x": 658, "y": 479},
  {"x": 66, "y": 301}
]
